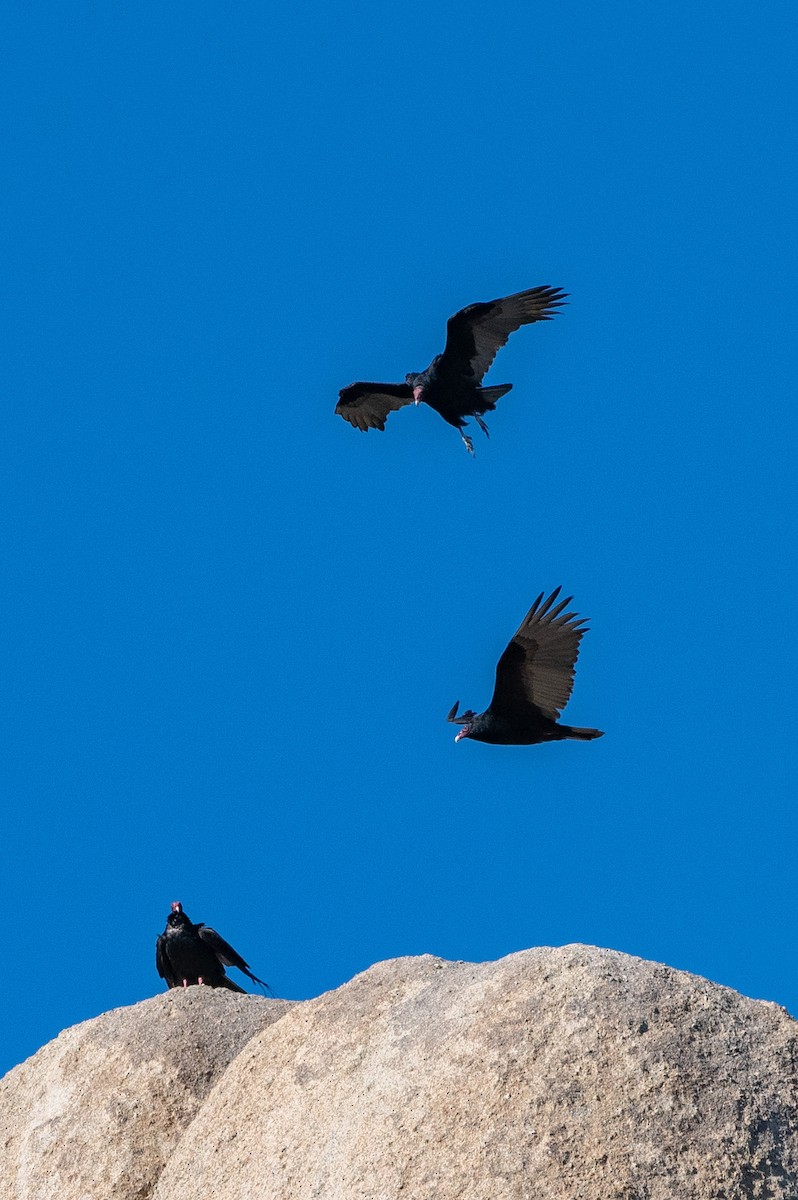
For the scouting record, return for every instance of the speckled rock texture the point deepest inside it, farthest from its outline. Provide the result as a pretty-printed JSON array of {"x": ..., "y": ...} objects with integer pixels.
[
  {"x": 565, "y": 1074},
  {"x": 97, "y": 1112},
  {"x": 569, "y": 1074}
]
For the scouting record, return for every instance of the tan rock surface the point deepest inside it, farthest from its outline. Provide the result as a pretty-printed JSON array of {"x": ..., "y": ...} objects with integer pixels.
[
  {"x": 95, "y": 1114},
  {"x": 568, "y": 1074}
]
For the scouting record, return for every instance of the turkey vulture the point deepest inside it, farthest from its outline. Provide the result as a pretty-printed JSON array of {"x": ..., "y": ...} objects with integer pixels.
[
  {"x": 452, "y": 382},
  {"x": 186, "y": 953},
  {"x": 534, "y": 679}
]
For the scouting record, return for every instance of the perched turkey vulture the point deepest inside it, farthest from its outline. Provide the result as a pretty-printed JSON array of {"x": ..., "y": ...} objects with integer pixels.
[
  {"x": 534, "y": 679},
  {"x": 186, "y": 953},
  {"x": 452, "y": 382}
]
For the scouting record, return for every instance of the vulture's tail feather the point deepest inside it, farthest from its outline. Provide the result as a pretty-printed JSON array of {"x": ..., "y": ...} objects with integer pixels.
[
  {"x": 581, "y": 735},
  {"x": 487, "y": 397}
]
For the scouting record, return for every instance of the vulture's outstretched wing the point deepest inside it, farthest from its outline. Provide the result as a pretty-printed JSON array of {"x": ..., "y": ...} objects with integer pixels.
[
  {"x": 162, "y": 964},
  {"x": 476, "y": 333},
  {"x": 367, "y": 405},
  {"x": 225, "y": 952},
  {"x": 537, "y": 668}
]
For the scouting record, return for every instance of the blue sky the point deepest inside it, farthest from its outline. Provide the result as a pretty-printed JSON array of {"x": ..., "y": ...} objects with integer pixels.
[{"x": 232, "y": 626}]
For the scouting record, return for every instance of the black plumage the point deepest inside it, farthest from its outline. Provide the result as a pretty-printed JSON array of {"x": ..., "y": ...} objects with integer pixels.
[
  {"x": 534, "y": 680},
  {"x": 452, "y": 383},
  {"x": 187, "y": 954}
]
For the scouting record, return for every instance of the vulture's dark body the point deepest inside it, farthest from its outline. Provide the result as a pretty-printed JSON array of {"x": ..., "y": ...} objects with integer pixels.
[
  {"x": 191, "y": 959},
  {"x": 454, "y": 395},
  {"x": 498, "y": 731}
]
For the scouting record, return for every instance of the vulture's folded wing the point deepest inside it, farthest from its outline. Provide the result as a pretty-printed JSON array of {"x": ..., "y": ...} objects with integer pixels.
[
  {"x": 225, "y": 952},
  {"x": 162, "y": 964}
]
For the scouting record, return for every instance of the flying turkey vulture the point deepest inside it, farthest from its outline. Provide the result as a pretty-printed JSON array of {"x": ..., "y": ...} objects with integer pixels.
[
  {"x": 186, "y": 953},
  {"x": 452, "y": 382},
  {"x": 534, "y": 679}
]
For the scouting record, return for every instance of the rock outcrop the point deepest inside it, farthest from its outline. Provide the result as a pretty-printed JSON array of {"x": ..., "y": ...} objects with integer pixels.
[
  {"x": 569, "y": 1074},
  {"x": 97, "y": 1112}
]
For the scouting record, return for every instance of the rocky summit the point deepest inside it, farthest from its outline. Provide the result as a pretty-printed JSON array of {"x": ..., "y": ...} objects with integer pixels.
[{"x": 553, "y": 1074}]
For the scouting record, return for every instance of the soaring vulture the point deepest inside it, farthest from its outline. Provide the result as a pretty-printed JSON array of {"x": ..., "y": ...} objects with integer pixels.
[
  {"x": 452, "y": 383},
  {"x": 534, "y": 680}
]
